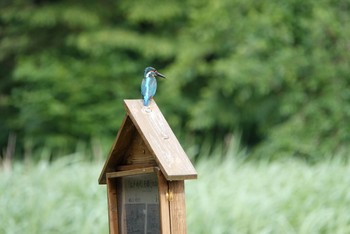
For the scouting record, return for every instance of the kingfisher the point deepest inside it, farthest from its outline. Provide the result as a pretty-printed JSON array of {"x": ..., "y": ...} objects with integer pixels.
[{"x": 149, "y": 84}]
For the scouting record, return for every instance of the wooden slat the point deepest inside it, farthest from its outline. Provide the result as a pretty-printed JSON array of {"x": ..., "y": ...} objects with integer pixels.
[
  {"x": 163, "y": 203},
  {"x": 112, "y": 207},
  {"x": 130, "y": 172},
  {"x": 119, "y": 148},
  {"x": 132, "y": 167},
  {"x": 161, "y": 141},
  {"x": 138, "y": 152},
  {"x": 177, "y": 207}
]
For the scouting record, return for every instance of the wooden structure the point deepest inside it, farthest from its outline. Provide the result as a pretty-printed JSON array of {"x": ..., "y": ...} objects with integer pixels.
[{"x": 145, "y": 173}]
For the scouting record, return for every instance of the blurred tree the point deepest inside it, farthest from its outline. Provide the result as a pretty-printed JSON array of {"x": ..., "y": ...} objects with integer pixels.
[
  {"x": 65, "y": 66},
  {"x": 276, "y": 71}
]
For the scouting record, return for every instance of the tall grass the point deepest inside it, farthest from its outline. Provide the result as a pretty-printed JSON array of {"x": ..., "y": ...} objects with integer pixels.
[
  {"x": 279, "y": 197},
  {"x": 58, "y": 197},
  {"x": 228, "y": 197}
]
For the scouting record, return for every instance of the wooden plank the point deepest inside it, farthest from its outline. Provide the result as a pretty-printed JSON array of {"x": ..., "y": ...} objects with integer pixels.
[
  {"x": 112, "y": 207},
  {"x": 119, "y": 148},
  {"x": 163, "y": 202},
  {"x": 160, "y": 140},
  {"x": 121, "y": 208},
  {"x": 132, "y": 167},
  {"x": 138, "y": 171},
  {"x": 138, "y": 152},
  {"x": 177, "y": 207}
]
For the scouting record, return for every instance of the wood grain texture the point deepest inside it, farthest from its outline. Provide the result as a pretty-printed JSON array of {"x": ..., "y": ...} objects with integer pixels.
[
  {"x": 138, "y": 171},
  {"x": 138, "y": 152},
  {"x": 177, "y": 207},
  {"x": 112, "y": 207},
  {"x": 163, "y": 202},
  {"x": 119, "y": 148},
  {"x": 160, "y": 140}
]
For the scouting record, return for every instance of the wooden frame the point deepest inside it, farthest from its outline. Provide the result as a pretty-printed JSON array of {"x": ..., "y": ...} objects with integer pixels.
[{"x": 145, "y": 144}]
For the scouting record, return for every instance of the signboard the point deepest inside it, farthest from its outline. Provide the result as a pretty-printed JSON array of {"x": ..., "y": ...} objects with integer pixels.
[{"x": 138, "y": 204}]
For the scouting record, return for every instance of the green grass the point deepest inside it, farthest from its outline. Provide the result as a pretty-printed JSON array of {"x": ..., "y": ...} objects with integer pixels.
[
  {"x": 280, "y": 197},
  {"x": 228, "y": 197},
  {"x": 62, "y": 197}
]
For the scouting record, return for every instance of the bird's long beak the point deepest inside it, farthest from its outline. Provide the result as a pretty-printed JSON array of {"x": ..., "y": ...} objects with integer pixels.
[{"x": 160, "y": 74}]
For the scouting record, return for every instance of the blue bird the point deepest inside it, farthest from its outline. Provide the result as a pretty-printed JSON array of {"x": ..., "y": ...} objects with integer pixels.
[{"x": 149, "y": 84}]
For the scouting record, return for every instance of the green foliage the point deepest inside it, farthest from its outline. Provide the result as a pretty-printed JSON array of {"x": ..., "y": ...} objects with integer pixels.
[
  {"x": 228, "y": 197},
  {"x": 277, "y": 71}
]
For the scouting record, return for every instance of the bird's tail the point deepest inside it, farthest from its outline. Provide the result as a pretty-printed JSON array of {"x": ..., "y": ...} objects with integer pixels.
[{"x": 146, "y": 101}]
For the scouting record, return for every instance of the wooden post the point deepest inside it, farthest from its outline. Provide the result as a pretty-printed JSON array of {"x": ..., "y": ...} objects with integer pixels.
[
  {"x": 112, "y": 207},
  {"x": 177, "y": 207},
  {"x": 163, "y": 202}
]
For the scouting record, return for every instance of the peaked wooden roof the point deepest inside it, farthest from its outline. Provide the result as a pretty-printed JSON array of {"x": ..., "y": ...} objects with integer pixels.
[{"x": 148, "y": 129}]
